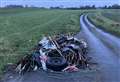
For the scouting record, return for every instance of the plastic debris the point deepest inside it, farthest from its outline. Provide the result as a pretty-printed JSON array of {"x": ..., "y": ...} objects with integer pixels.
[{"x": 58, "y": 53}]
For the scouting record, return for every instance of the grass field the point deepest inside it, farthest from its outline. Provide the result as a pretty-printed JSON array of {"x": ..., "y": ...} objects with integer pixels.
[
  {"x": 115, "y": 15},
  {"x": 108, "y": 20},
  {"x": 21, "y": 29}
]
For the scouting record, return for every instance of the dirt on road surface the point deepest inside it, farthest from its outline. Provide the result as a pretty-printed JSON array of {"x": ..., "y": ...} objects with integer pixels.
[{"x": 103, "y": 48}]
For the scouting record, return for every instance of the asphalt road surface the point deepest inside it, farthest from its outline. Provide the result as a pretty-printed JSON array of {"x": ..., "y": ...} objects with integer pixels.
[{"x": 104, "y": 48}]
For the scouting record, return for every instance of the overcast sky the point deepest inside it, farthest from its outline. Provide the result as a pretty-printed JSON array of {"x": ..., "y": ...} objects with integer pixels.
[{"x": 63, "y": 3}]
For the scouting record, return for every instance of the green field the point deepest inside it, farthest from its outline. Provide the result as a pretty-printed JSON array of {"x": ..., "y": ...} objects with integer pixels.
[
  {"x": 21, "y": 29},
  {"x": 115, "y": 15},
  {"x": 108, "y": 20}
]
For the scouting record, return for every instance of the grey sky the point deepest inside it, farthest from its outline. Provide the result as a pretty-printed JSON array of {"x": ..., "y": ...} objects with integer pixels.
[{"x": 65, "y": 3}]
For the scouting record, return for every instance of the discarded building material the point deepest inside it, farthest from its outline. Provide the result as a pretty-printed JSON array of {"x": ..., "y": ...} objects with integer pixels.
[{"x": 58, "y": 53}]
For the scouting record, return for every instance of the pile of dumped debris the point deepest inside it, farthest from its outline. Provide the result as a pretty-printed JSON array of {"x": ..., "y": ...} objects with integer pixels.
[{"x": 56, "y": 53}]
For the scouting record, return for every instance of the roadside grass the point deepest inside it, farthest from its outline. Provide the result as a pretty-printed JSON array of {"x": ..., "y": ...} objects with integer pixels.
[
  {"x": 115, "y": 15},
  {"x": 108, "y": 20},
  {"x": 20, "y": 30}
]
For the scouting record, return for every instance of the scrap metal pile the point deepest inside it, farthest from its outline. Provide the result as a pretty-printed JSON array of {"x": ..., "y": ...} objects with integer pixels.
[{"x": 56, "y": 53}]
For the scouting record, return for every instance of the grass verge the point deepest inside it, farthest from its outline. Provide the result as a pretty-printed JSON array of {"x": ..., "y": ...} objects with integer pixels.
[{"x": 108, "y": 20}]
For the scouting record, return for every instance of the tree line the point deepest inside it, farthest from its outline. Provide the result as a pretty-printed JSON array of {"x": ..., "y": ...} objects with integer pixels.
[{"x": 115, "y": 6}]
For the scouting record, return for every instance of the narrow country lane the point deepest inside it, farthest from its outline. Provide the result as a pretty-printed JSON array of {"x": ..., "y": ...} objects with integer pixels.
[{"x": 105, "y": 56}]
